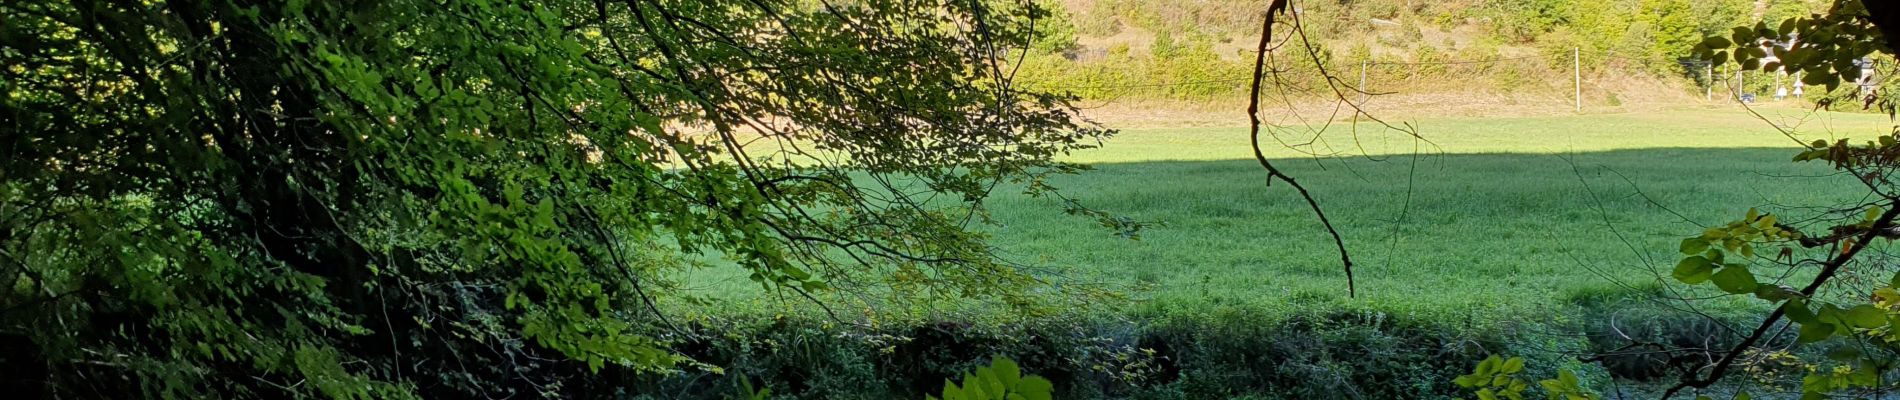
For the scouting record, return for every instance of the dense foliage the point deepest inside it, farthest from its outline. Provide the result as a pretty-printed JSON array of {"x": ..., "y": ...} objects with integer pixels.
[
  {"x": 1231, "y": 354},
  {"x": 474, "y": 198},
  {"x": 1825, "y": 271},
  {"x": 1839, "y": 252},
  {"x": 419, "y": 199}
]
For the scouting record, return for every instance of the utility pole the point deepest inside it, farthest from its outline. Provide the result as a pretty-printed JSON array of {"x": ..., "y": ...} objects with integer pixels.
[
  {"x": 1708, "y": 92},
  {"x": 1576, "y": 76}
]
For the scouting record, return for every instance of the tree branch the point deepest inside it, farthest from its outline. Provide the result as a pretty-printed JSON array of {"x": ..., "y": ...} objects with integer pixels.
[
  {"x": 1253, "y": 115},
  {"x": 1828, "y": 269}
]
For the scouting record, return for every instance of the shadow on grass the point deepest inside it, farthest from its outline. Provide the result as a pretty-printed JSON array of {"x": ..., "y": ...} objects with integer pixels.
[
  {"x": 1240, "y": 293},
  {"x": 1452, "y": 231}
]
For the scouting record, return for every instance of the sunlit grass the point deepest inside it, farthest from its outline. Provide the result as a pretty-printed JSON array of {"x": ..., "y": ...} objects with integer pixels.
[{"x": 1728, "y": 127}]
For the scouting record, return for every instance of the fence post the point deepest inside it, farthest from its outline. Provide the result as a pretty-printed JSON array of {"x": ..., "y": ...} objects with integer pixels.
[
  {"x": 1576, "y": 77},
  {"x": 1796, "y": 82},
  {"x": 1363, "y": 93}
]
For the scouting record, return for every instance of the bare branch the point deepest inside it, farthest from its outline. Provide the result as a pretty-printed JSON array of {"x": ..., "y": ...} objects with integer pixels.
[{"x": 1253, "y": 115}]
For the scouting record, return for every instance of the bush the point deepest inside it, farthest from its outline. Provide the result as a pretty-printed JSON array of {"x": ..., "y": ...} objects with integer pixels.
[{"x": 1232, "y": 354}]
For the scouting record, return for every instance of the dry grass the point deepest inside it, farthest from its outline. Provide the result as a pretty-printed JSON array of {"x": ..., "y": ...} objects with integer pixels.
[{"x": 1606, "y": 94}]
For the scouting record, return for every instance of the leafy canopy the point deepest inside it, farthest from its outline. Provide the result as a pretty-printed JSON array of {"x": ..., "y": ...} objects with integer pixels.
[{"x": 460, "y": 198}]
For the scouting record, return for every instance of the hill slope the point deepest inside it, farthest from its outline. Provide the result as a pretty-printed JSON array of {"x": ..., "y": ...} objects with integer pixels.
[{"x": 1494, "y": 53}]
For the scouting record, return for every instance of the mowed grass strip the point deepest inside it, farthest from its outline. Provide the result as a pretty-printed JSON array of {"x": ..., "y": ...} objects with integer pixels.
[{"x": 1728, "y": 127}]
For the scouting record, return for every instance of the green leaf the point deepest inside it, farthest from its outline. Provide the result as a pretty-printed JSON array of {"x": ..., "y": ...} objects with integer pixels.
[
  {"x": 1512, "y": 366},
  {"x": 1694, "y": 270},
  {"x": 1865, "y": 316},
  {"x": 1694, "y": 245},
  {"x": 1829, "y": 314},
  {"x": 1812, "y": 78},
  {"x": 1864, "y": 376},
  {"x": 1773, "y": 293},
  {"x": 1815, "y": 332},
  {"x": 1489, "y": 366},
  {"x": 951, "y": 391},
  {"x": 1007, "y": 372},
  {"x": 1734, "y": 279},
  {"x": 1797, "y": 311},
  {"x": 1716, "y": 42},
  {"x": 1035, "y": 388},
  {"x": 986, "y": 380},
  {"x": 1810, "y": 154}
]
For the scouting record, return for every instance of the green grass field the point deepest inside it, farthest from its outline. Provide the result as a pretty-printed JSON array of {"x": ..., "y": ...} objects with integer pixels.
[
  {"x": 1501, "y": 214},
  {"x": 1516, "y": 236}
]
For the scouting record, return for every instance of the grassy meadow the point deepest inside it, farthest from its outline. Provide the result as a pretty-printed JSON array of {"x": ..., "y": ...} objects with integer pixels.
[
  {"x": 1499, "y": 211},
  {"x": 1480, "y": 216},
  {"x": 1500, "y": 235}
]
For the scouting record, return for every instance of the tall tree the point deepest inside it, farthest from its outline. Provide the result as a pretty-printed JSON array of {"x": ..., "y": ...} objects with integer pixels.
[{"x": 458, "y": 198}]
